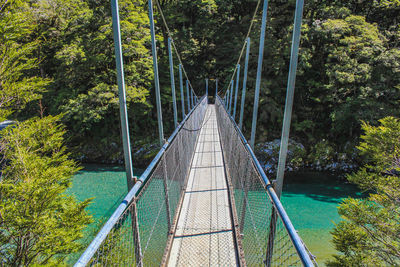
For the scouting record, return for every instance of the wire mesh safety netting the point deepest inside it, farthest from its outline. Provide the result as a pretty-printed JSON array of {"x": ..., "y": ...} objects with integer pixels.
[
  {"x": 262, "y": 236},
  {"x": 204, "y": 234},
  {"x": 140, "y": 235}
]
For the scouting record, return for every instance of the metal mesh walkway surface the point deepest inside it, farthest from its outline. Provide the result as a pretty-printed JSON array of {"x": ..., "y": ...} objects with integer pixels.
[{"x": 204, "y": 234}]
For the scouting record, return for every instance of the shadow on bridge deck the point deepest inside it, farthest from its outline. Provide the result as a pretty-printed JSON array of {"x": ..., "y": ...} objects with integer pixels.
[{"x": 204, "y": 234}]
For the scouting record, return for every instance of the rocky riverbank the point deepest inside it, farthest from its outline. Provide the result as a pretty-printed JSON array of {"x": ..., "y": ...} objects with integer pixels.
[
  {"x": 142, "y": 155},
  {"x": 321, "y": 157}
]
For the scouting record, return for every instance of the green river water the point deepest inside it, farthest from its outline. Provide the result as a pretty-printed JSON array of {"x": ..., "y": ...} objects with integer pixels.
[{"x": 310, "y": 200}]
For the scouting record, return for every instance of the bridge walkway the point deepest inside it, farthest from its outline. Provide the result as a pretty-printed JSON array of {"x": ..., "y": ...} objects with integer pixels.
[{"x": 204, "y": 234}]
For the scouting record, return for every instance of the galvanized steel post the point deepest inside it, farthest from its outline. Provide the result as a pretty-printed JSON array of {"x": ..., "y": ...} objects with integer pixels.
[
  {"x": 121, "y": 94},
  {"x": 182, "y": 94},
  {"x": 124, "y": 125},
  {"x": 289, "y": 97},
  {"x": 230, "y": 98},
  {"x": 136, "y": 234},
  {"x": 191, "y": 98},
  {"x": 171, "y": 71},
  {"x": 246, "y": 66},
  {"x": 245, "y": 187},
  {"x": 236, "y": 89},
  {"x": 156, "y": 79},
  {"x": 227, "y": 99},
  {"x": 166, "y": 193},
  {"x": 259, "y": 69},
  {"x": 188, "y": 95},
  {"x": 286, "y": 123}
]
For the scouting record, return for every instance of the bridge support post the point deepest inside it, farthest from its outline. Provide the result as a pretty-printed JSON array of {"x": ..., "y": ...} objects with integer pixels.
[
  {"x": 136, "y": 235},
  {"x": 286, "y": 123},
  {"x": 271, "y": 238},
  {"x": 246, "y": 66},
  {"x": 171, "y": 71},
  {"x": 236, "y": 90},
  {"x": 191, "y": 98},
  {"x": 230, "y": 98},
  {"x": 244, "y": 205},
  {"x": 259, "y": 69},
  {"x": 227, "y": 99},
  {"x": 165, "y": 180},
  {"x": 121, "y": 94},
  {"x": 156, "y": 78},
  {"x": 188, "y": 95},
  {"x": 182, "y": 94},
  {"x": 289, "y": 97}
]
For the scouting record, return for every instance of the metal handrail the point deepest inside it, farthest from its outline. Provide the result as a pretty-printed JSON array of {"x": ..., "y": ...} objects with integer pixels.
[
  {"x": 108, "y": 226},
  {"x": 294, "y": 236}
]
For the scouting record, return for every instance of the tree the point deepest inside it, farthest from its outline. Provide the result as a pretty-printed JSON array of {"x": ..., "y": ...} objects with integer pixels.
[
  {"x": 77, "y": 52},
  {"x": 18, "y": 83},
  {"x": 39, "y": 224},
  {"x": 61, "y": 51},
  {"x": 369, "y": 235}
]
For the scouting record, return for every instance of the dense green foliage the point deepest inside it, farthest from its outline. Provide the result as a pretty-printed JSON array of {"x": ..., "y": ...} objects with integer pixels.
[
  {"x": 38, "y": 223},
  {"x": 348, "y": 70},
  {"x": 370, "y": 232},
  {"x": 18, "y": 83},
  {"x": 78, "y": 54}
]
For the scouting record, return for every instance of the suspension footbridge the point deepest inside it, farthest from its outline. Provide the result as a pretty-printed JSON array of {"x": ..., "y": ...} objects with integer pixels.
[{"x": 205, "y": 199}]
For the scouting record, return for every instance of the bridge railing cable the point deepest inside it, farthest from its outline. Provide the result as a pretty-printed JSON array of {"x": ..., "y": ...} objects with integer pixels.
[
  {"x": 172, "y": 39},
  {"x": 140, "y": 230},
  {"x": 246, "y": 39},
  {"x": 264, "y": 231}
]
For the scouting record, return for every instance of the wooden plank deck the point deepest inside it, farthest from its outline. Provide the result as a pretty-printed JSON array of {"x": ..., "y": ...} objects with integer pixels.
[{"x": 204, "y": 234}]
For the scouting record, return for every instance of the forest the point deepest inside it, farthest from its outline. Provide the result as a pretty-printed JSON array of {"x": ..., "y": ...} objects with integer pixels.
[
  {"x": 63, "y": 63},
  {"x": 58, "y": 78}
]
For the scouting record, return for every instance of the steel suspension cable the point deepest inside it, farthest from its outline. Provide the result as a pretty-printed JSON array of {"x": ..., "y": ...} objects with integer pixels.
[
  {"x": 173, "y": 42},
  {"x": 244, "y": 44}
]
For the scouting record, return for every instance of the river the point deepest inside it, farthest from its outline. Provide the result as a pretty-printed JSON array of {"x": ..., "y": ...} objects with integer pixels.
[{"x": 310, "y": 200}]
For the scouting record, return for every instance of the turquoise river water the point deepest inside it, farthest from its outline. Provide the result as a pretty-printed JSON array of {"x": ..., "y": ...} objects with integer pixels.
[{"x": 310, "y": 200}]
